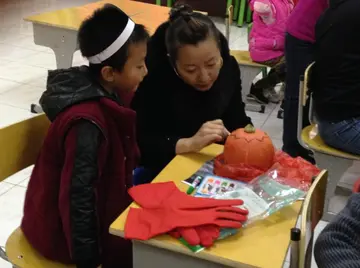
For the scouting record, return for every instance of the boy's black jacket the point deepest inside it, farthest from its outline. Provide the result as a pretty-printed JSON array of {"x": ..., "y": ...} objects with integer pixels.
[{"x": 169, "y": 109}]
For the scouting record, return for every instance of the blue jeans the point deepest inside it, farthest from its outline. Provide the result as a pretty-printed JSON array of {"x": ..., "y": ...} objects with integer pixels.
[
  {"x": 298, "y": 56},
  {"x": 343, "y": 135}
]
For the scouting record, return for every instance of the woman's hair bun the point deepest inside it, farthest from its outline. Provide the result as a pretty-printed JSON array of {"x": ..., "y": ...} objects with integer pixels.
[{"x": 180, "y": 10}]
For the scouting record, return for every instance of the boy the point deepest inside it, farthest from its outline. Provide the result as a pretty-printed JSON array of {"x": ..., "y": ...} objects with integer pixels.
[{"x": 79, "y": 183}]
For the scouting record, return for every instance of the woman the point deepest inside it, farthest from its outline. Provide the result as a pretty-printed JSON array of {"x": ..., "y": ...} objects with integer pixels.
[
  {"x": 299, "y": 53},
  {"x": 192, "y": 94},
  {"x": 336, "y": 77}
]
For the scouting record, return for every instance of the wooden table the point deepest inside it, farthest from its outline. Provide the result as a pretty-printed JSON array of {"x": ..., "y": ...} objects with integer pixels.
[
  {"x": 58, "y": 29},
  {"x": 263, "y": 244}
]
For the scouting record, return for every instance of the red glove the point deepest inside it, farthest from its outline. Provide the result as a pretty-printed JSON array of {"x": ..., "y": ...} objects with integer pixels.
[
  {"x": 204, "y": 235},
  {"x": 166, "y": 194},
  {"x": 144, "y": 224}
]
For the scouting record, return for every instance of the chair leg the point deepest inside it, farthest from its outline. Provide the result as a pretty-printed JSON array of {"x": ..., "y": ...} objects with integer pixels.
[
  {"x": 3, "y": 254},
  {"x": 241, "y": 13},
  {"x": 236, "y": 9},
  {"x": 337, "y": 167},
  {"x": 169, "y": 3},
  {"x": 158, "y": 2},
  {"x": 248, "y": 14},
  {"x": 228, "y": 4}
]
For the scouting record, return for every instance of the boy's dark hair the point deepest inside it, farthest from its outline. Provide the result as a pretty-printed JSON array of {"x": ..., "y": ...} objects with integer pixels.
[
  {"x": 188, "y": 28},
  {"x": 101, "y": 30}
]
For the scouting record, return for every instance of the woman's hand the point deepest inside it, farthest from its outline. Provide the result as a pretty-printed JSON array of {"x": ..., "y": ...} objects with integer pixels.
[{"x": 210, "y": 132}]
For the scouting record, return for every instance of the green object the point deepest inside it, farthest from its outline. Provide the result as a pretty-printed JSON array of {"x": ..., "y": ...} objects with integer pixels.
[
  {"x": 228, "y": 4},
  {"x": 241, "y": 13},
  {"x": 194, "y": 249},
  {"x": 236, "y": 9},
  {"x": 190, "y": 190},
  {"x": 248, "y": 14},
  {"x": 169, "y": 3},
  {"x": 195, "y": 183},
  {"x": 158, "y": 2}
]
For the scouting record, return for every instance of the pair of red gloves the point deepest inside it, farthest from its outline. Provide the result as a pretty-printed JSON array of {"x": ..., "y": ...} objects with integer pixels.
[{"x": 165, "y": 209}]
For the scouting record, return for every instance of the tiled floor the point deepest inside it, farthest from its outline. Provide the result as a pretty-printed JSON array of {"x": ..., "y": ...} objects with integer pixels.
[{"x": 23, "y": 69}]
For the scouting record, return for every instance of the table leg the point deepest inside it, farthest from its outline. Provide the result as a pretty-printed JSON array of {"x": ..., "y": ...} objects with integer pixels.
[
  {"x": 62, "y": 41},
  {"x": 153, "y": 257}
]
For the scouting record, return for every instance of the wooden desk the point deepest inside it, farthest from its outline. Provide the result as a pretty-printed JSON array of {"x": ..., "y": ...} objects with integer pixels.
[
  {"x": 264, "y": 244},
  {"x": 58, "y": 29}
]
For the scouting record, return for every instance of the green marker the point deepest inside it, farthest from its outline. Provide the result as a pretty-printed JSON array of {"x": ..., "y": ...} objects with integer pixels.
[{"x": 193, "y": 186}]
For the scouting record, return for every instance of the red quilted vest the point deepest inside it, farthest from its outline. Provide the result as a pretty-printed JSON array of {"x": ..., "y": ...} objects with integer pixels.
[{"x": 45, "y": 224}]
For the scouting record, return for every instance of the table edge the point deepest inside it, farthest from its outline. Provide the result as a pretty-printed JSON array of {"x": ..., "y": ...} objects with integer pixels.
[{"x": 204, "y": 255}]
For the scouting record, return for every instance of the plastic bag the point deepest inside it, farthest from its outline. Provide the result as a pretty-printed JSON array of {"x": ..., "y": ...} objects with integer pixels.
[
  {"x": 264, "y": 196},
  {"x": 286, "y": 167}
]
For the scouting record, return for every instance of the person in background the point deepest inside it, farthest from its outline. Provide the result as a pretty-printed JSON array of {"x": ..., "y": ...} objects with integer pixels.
[
  {"x": 79, "y": 183},
  {"x": 192, "y": 94},
  {"x": 338, "y": 245},
  {"x": 336, "y": 76},
  {"x": 299, "y": 53},
  {"x": 266, "y": 45}
]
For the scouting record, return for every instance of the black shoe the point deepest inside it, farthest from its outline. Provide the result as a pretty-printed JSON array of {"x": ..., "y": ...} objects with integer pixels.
[
  {"x": 282, "y": 105},
  {"x": 257, "y": 95}
]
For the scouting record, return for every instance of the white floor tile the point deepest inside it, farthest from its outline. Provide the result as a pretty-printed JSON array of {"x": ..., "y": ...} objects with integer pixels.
[
  {"x": 25, "y": 182},
  {"x": 277, "y": 143},
  {"x": 273, "y": 127},
  {"x": 6, "y": 85},
  {"x": 22, "y": 73},
  {"x": 22, "y": 96},
  {"x": 9, "y": 52},
  {"x": 4, "y": 187},
  {"x": 78, "y": 59},
  {"x": 41, "y": 59},
  {"x": 11, "y": 205},
  {"x": 20, "y": 176},
  {"x": 4, "y": 264},
  {"x": 10, "y": 115}
]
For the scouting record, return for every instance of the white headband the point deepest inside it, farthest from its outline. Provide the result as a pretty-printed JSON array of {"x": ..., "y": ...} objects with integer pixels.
[{"x": 115, "y": 46}]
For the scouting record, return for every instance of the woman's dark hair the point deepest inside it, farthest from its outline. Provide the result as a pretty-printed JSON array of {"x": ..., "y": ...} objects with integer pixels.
[
  {"x": 188, "y": 28},
  {"x": 102, "y": 29}
]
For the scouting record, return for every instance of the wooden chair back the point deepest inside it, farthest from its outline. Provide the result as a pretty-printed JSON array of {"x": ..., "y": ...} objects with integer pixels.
[
  {"x": 20, "y": 144},
  {"x": 312, "y": 212},
  {"x": 228, "y": 21}
]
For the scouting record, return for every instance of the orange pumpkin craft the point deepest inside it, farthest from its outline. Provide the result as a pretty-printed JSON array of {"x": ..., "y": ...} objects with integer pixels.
[{"x": 249, "y": 146}]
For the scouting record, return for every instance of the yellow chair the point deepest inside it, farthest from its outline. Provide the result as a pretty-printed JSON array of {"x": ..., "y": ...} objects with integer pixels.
[
  {"x": 335, "y": 161},
  {"x": 312, "y": 211},
  {"x": 248, "y": 69},
  {"x": 20, "y": 144}
]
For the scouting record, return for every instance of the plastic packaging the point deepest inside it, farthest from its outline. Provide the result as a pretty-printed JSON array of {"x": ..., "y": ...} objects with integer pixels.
[{"x": 265, "y": 195}]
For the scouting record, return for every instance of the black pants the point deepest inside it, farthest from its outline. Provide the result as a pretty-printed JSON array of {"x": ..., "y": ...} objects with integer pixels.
[
  {"x": 298, "y": 55},
  {"x": 275, "y": 76}
]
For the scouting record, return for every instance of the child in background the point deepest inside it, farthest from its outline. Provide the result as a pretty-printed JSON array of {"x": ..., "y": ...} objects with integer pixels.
[
  {"x": 79, "y": 183},
  {"x": 267, "y": 39}
]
